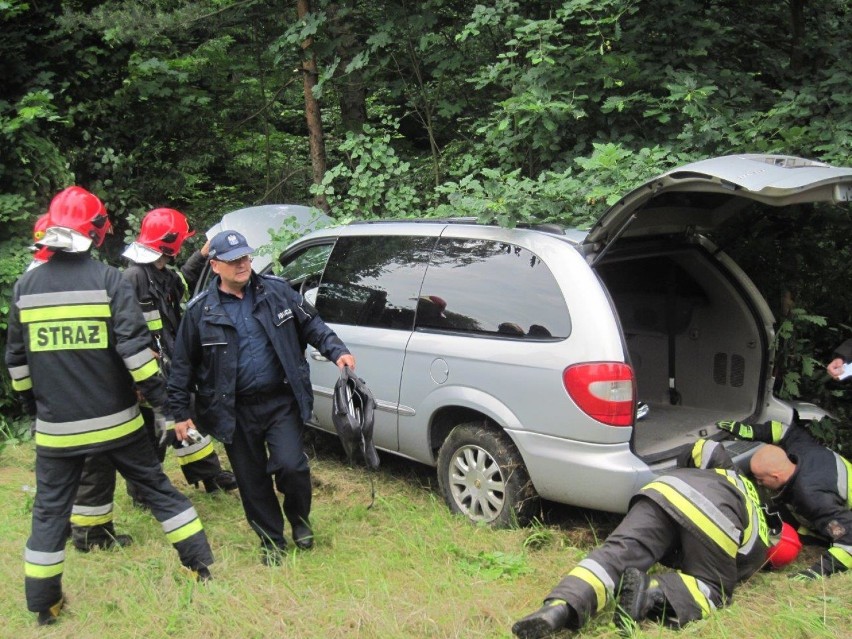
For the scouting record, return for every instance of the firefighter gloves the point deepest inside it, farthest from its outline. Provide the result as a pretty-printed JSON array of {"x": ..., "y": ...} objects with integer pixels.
[{"x": 738, "y": 429}]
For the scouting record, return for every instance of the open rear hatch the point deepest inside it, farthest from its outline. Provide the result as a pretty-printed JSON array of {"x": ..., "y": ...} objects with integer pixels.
[{"x": 698, "y": 333}]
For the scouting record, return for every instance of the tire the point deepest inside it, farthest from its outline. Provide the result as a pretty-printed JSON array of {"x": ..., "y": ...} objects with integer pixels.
[{"x": 482, "y": 476}]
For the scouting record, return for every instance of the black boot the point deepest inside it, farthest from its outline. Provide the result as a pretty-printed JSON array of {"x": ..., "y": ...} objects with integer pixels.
[
  {"x": 544, "y": 622},
  {"x": 223, "y": 480},
  {"x": 640, "y": 598},
  {"x": 303, "y": 536},
  {"x": 49, "y": 616},
  {"x": 107, "y": 541}
]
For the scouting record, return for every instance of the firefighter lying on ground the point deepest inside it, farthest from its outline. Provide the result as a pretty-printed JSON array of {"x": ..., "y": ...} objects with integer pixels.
[
  {"x": 704, "y": 520},
  {"x": 813, "y": 483}
]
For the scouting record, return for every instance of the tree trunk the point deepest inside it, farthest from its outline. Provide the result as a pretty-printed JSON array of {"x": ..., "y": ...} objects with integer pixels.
[
  {"x": 797, "y": 24},
  {"x": 344, "y": 25},
  {"x": 312, "y": 110}
]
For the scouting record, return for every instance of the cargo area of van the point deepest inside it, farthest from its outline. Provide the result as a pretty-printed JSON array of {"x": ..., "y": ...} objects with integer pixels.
[{"x": 695, "y": 343}]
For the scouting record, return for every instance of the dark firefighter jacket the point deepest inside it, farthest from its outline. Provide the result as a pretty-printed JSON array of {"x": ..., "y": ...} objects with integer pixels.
[
  {"x": 726, "y": 514},
  {"x": 819, "y": 494},
  {"x": 76, "y": 347},
  {"x": 160, "y": 293},
  {"x": 205, "y": 360}
]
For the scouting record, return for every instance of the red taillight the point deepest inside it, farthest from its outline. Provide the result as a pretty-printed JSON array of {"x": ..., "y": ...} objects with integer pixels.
[{"x": 603, "y": 390}]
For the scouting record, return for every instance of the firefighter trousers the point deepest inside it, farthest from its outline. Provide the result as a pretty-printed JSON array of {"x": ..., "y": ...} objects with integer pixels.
[
  {"x": 267, "y": 452},
  {"x": 92, "y": 517},
  {"x": 645, "y": 536},
  {"x": 57, "y": 480}
]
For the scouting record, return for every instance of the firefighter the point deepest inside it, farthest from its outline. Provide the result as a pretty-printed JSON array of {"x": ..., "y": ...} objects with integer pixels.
[
  {"x": 704, "y": 519},
  {"x": 40, "y": 253},
  {"x": 77, "y": 350},
  {"x": 160, "y": 291},
  {"x": 92, "y": 523},
  {"x": 813, "y": 483}
]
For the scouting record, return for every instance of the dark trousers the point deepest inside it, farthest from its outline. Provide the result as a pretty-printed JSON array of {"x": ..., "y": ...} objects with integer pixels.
[
  {"x": 266, "y": 453},
  {"x": 92, "y": 518},
  {"x": 57, "y": 480},
  {"x": 645, "y": 536}
]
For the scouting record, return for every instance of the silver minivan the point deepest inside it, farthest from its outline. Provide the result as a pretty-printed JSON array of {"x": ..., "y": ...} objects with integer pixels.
[{"x": 514, "y": 360}]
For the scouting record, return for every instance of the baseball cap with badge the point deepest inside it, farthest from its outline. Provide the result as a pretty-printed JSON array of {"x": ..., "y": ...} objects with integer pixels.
[{"x": 228, "y": 245}]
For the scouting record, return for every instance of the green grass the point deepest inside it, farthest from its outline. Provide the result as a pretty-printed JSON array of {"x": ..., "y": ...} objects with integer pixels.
[{"x": 404, "y": 568}]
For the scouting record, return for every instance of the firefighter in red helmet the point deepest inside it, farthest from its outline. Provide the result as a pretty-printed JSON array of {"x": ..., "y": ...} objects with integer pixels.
[
  {"x": 160, "y": 291},
  {"x": 77, "y": 351},
  {"x": 41, "y": 253}
]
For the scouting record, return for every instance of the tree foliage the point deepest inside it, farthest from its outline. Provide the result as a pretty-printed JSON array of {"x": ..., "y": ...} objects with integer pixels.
[{"x": 504, "y": 110}]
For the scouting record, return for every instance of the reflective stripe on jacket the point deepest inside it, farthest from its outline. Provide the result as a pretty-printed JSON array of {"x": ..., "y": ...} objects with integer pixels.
[{"x": 78, "y": 342}]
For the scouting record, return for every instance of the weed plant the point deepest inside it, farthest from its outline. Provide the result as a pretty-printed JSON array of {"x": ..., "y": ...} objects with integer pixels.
[{"x": 403, "y": 569}]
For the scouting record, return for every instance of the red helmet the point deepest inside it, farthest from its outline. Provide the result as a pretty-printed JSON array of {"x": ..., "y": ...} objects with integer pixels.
[
  {"x": 78, "y": 210},
  {"x": 164, "y": 231},
  {"x": 42, "y": 253},
  {"x": 40, "y": 227},
  {"x": 786, "y": 549}
]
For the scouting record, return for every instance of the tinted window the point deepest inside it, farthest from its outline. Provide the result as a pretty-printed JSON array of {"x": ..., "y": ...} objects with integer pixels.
[
  {"x": 491, "y": 288},
  {"x": 306, "y": 265},
  {"x": 373, "y": 281}
]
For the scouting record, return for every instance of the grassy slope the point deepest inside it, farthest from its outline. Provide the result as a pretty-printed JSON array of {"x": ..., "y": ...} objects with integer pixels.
[{"x": 403, "y": 569}]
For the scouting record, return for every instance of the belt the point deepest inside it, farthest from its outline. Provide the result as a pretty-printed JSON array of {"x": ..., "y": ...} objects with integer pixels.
[{"x": 258, "y": 397}]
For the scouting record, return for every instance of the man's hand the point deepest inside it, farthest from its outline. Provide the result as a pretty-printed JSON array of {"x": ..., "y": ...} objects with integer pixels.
[
  {"x": 737, "y": 429},
  {"x": 346, "y": 360},
  {"x": 181, "y": 428},
  {"x": 835, "y": 367},
  {"x": 163, "y": 425}
]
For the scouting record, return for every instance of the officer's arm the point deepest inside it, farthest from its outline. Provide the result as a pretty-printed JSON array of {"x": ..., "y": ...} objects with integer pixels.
[
  {"x": 844, "y": 351},
  {"x": 139, "y": 281},
  {"x": 316, "y": 332},
  {"x": 706, "y": 453},
  {"x": 770, "y": 432},
  {"x": 16, "y": 358}
]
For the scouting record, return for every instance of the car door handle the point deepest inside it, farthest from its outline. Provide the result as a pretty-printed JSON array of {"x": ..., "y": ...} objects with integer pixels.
[{"x": 318, "y": 356}]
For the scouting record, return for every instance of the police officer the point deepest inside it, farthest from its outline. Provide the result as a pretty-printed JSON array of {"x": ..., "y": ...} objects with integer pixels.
[
  {"x": 77, "y": 349},
  {"x": 241, "y": 348},
  {"x": 811, "y": 481},
  {"x": 704, "y": 519}
]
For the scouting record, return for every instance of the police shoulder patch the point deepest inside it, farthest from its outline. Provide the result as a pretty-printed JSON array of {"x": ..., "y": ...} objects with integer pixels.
[{"x": 196, "y": 299}]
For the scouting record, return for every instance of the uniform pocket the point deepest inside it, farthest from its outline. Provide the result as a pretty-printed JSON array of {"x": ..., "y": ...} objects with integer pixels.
[{"x": 283, "y": 316}]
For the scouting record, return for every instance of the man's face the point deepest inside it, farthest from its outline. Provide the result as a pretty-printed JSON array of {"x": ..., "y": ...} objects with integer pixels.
[{"x": 235, "y": 274}]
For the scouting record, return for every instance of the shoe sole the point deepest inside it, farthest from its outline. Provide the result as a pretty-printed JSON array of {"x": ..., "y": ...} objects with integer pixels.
[
  {"x": 630, "y": 599},
  {"x": 533, "y": 629}
]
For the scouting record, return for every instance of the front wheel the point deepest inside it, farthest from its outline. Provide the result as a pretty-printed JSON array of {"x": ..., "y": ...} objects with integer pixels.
[{"x": 482, "y": 476}]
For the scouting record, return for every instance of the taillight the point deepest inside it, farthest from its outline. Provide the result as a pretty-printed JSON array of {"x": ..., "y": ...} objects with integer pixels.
[{"x": 603, "y": 390}]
